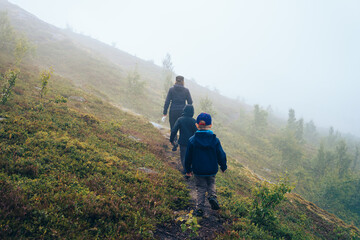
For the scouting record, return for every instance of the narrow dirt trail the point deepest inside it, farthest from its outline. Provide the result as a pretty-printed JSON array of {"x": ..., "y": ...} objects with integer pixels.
[{"x": 211, "y": 224}]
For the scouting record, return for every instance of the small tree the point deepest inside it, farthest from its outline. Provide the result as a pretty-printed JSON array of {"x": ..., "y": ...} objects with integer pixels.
[
  {"x": 321, "y": 161},
  {"x": 260, "y": 118},
  {"x": 344, "y": 161},
  {"x": 206, "y": 105},
  {"x": 168, "y": 73},
  {"x": 333, "y": 138},
  {"x": 10, "y": 78},
  {"x": 291, "y": 123},
  {"x": 136, "y": 87},
  {"x": 290, "y": 148},
  {"x": 22, "y": 48},
  {"x": 310, "y": 132},
  {"x": 11, "y": 41},
  {"x": 266, "y": 198},
  {"x": 7, "y": 33},
  {"x": 299, "y": 131},
  {"x": 44, "y": 77}
]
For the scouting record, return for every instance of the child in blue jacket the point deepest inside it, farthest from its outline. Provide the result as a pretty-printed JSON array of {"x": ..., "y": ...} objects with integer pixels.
[{"x": 203, "y": 155}]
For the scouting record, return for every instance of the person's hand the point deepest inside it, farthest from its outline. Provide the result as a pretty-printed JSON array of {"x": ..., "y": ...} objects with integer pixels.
[
  {"x": 163, "y": 118},
  {"x": 188, "y": 174}
]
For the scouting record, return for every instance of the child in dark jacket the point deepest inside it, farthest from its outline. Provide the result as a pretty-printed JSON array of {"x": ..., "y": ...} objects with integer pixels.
[
  {"x": 186, "y": 125},
  {"x": 204, "y": 154}
]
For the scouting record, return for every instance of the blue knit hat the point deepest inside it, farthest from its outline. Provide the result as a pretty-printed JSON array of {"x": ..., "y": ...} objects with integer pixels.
[{"x": 203, "y": 119}]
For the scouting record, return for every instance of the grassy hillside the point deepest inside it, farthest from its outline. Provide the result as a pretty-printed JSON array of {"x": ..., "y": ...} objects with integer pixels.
[
  {"x": 84, "y": 169},
  {"x": 65, "y": 163},
  {"x": 66, "y": 172}
]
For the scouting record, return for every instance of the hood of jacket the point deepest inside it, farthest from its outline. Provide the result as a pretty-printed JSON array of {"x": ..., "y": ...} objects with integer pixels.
[
  {"x": 204, "y": 139},
  {"x": 178, "y": 86},
  {"x": 188, "y": 111}
]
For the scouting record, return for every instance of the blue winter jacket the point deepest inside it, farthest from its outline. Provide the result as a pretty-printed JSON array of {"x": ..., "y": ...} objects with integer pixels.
[{"x": 204, "y": 153}]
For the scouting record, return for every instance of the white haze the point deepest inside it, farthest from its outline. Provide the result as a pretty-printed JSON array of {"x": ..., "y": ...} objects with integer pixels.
[{"x": 300, "y": 54}]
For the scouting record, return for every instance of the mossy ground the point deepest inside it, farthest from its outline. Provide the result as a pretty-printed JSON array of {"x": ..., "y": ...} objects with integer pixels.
[{"x": 68, "y": 172}]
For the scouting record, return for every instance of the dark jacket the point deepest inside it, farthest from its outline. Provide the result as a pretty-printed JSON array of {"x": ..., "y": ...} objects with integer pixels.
[
  {"x": 186, "y": 124},
  {"x": 204, "y": 153},
  {"x": 177, "y": 95}
]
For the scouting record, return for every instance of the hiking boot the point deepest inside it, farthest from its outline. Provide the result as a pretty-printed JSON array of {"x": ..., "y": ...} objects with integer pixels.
[
  {"x": 199, "y": 212},
  {"x": 214, "y": 203}
]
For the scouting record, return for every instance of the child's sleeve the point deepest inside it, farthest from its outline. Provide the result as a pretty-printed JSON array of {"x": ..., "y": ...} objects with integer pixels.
[
  {"x": 221, "y": 157},
  {"x": 188, "y": 158}
]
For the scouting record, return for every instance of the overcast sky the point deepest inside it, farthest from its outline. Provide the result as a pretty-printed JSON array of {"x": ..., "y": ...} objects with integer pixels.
[{"x": 302, "y": 54}]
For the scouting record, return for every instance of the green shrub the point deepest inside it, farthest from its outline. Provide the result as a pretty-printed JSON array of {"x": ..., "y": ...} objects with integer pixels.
[
  {"x": 70, "y": 175},
  {"x": 9, "y": 78},
  {"x": 266, "y": 198}
]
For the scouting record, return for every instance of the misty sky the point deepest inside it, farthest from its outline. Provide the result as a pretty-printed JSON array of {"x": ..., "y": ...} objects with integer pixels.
[{"x": 302, "y": 54}]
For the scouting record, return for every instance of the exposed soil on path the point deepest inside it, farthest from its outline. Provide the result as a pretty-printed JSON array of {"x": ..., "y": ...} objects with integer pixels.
[{"x": 211, "y": 224}]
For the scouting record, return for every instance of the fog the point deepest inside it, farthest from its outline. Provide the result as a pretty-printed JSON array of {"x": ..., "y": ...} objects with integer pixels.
[{"x": 303, "y": 55}]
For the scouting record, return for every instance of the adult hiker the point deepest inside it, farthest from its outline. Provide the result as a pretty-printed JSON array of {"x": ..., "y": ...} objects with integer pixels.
[
  {"x": 177, "y": 95},
  {"x": 186, "y": 125}
]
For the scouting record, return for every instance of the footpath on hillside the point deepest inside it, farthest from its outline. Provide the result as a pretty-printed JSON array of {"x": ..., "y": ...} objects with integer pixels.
[{"x": 211, "y": 224}]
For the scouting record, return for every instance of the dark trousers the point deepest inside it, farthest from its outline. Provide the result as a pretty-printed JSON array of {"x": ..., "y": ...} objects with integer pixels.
[
  {"x": 203, "y": 185},
  {"x": 173, "y": 116}
]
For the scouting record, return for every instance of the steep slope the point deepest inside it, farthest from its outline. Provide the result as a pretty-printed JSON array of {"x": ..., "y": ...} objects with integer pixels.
[
  {"x": 66, "y": 172},
  {"x": 101, "y": 71},
  {"x": 84, "y": 169}
]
